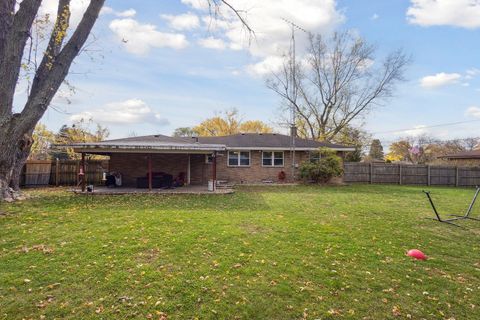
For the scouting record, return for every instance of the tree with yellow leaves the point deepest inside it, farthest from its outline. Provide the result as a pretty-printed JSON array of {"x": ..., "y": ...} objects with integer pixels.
[
  {"x": 226, "y": 123},
  {"x": 42, "y": 141},
  {"x": 255, "y": 126}
]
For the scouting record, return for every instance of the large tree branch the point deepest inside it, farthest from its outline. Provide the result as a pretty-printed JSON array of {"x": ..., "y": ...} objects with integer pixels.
[
  {"x": 55, "y": 43},
  {"x": 47, "y": 83},
  {"x": 7, "y": 8},
  {"x": 239, "y": 16},
  {"x": 11, "y": 59}
]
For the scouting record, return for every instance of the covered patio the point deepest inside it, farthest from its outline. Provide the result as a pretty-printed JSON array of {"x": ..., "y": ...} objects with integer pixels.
[
  {"x": 153, "y": 164},
  {"x": 191, "y": 189}
]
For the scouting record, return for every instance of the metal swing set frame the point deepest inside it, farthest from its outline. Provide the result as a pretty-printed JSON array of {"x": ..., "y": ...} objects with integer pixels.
[{"x": 466, "y": 216}]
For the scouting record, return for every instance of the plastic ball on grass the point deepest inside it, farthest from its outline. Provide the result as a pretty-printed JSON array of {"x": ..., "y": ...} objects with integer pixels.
[{"x": 416, "y": 254}]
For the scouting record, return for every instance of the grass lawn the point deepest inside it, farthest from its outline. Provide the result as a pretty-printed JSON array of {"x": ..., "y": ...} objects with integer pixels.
[{"x": 261, "y": 253}]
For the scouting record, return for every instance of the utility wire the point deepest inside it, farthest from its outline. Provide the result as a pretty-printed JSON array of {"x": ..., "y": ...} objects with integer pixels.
[{"x": 427, "y": 127}]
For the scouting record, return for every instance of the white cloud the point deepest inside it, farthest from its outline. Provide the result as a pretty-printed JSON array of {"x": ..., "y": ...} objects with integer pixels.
[
  {"x": 197, "y": 4},
  {"x": 212, "y": 43},
  {"x": 417, "y": 131},
  {"x": 272, "y": 33},
  {"x": 138, "y": 38},
  {"x": 77, "y": 9},
  {"x": 130, "y": 111},
  {"x": 472, "y": 73},
  {"x": 473, "y": 112},
  {"x": 374, "y": 17},
  {"x": 107, "y": 10},
  {"x": 213, "y": 24},
  {"x": 186, "y": 21},
  {"x": 459, "y": 13},
  {"x": 267, "y": 66},
  {"x": 267, "y": 19},
  {"x": 129, "y": 13},
  {"x": 439, "y": 80}
]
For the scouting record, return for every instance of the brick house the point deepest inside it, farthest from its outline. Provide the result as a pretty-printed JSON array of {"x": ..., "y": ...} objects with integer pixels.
[
  {"x": 239, "y": 158},
  {"x": 465, "y": 158}
]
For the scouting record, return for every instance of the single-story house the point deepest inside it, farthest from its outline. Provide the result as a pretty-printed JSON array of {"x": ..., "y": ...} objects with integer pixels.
[
  {"x": 465, "y": 158},
  {"x": 238, "y": 158}
]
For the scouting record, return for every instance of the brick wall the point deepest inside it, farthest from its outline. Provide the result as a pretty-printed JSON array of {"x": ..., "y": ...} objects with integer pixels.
[
  {"x": 200, "y": 172},
  {"x": 255, "y": 173},
  {"x": 132, "y": 166}
]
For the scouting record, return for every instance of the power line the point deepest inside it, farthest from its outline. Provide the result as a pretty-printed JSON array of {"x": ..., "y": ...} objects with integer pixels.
[{"x": 427, "y": 127}]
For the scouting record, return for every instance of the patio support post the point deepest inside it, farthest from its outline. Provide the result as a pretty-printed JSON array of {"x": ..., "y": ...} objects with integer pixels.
[
  {"x": 57, "y": 172},
  {"x": 188, "y": 170},
  {"x": 214, "y": 170},
  {"x": 84, "y": 173},
  {"x": 149, "y": 157}
]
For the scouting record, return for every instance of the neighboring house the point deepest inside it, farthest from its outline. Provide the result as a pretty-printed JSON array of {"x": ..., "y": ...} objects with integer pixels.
[
  {"x": 465, "y": 158},
  {"x": 239, "y": 158}
]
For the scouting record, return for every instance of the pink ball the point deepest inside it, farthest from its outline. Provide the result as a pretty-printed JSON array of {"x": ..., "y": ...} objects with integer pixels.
[{"x": 417, "y": 254}]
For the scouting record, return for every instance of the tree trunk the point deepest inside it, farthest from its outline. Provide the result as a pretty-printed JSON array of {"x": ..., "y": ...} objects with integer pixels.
[
  {"x": 20, "y": 159},
  {"x": 14, "y": 152}
]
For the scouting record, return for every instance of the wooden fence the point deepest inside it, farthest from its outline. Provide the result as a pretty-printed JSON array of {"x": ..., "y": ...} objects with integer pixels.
[
  {"x": 36, "y": 173},
  {"x": 430, "y": 175},
  {"x": 62, "y": 172}
]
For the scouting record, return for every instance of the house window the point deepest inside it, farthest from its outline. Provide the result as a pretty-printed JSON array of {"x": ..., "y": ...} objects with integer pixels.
[
  {"x": 209, "y": 158},
  {"x": 239, "y": 158},
  {"x": 272, "y": 158},
  {"x": 315, "y": 156}
]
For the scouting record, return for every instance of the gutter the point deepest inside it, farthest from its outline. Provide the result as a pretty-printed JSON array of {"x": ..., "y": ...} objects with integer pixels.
[
  {"x": 286, "y": 149},
  {"x": 78, "y": 147},
  {"x": 139, "y": 147}
]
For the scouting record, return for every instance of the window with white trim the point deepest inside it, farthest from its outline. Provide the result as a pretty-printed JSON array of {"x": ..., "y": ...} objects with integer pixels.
[
  {"x": 272, "y": 158},
  {"x": 239, "y": 158}
]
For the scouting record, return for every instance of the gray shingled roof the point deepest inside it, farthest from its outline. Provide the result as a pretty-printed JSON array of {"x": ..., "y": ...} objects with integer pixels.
[
  {"x": 266, "y": 140},
  {"x": 245, "y": 141},
  {"x": 475, "y": 154}
]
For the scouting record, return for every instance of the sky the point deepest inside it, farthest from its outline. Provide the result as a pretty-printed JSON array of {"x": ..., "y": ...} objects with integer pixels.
[{"x": 151, "y": 66}]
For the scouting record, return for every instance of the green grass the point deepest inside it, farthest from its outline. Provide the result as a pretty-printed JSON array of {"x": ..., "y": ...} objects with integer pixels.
[{"x": 261, "y": 253}]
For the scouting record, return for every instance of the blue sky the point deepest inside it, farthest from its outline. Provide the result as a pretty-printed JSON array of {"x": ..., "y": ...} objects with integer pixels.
[{"x": 158, "y": 65}]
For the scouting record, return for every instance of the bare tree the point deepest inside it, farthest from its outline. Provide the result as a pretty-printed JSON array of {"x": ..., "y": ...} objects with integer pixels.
[
  {"x": 471, "y": 143},
  {"x": 336, "y": 82}
]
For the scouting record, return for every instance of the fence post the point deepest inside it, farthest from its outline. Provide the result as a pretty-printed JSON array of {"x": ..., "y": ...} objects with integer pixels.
[
  {"x": 456, "y": 177},
  {"x": 371, "y": 172},
  {"x": 57, "y": 171},
  {"x": 77, "y": 169},
  {"x": 428, "y": 175},
  {"x": 400, "y": 173}
]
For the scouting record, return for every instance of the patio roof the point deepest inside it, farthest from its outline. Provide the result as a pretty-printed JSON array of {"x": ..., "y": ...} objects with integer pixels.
[{"x": 147, "y": 144}]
